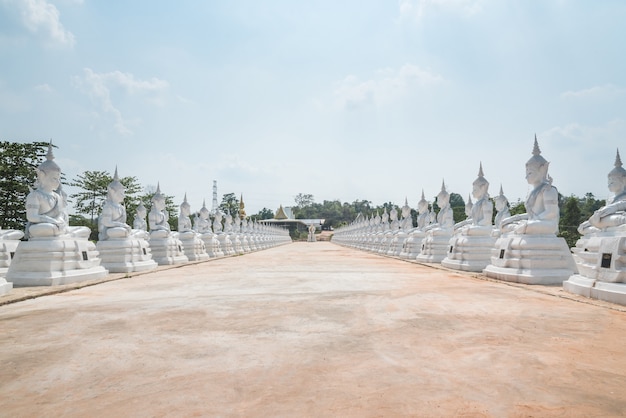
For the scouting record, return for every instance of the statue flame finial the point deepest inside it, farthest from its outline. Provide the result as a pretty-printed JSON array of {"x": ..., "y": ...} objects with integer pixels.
[
  {"x": 469, "y": 198},
  {"x": 115, "y": 176},
  {"x": 480, "y": 170},
  {"x": 501, "y": 191},
  {"x": 443, "y": 185},
  {"x": 536, "y": 150},
  {"x": 49, "y": 154},
  {"x": 618, "y": 159}
]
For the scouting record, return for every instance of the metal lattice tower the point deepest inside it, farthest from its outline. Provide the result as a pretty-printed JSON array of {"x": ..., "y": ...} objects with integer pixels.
[{"x": 215, "y": 205}]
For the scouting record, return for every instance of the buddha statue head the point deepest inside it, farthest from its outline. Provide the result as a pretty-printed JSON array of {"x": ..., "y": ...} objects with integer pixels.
[
  {"x": 617, "y": 177},
  {"x": 480, "y": 186},
  {"x": 115, "y": 189},
  {"x": 185, "y": 208},
  {"x": 406, "y": 209},
  {"x": 140, "y": 212},
  {"x": 536, "y": 167},
  {"x": 158, "y": 199},
  {"x": 468, "y": 206},
  {"x": 204, "y": 212},
  {"x": 48, "y": 173},
  {"x": 422, "y": 205},
  {"x": 501, "y": 201},
  {"x": 443, "y": 198}
]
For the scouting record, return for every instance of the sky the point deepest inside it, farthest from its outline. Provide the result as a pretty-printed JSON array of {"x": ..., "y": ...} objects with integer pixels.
[{"x": 346, "y": 100}]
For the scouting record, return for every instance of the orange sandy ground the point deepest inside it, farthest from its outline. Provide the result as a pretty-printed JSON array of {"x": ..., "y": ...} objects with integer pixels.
[{"x": 311, "y": 329}]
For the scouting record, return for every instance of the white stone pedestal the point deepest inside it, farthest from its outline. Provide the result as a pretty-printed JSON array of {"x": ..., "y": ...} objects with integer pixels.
[
  {"x": 601, "y": 262},
  {"x": 531, "y": 259},
  {"x": 167, "y": 250},
  {"x": 54, "y": 261},
  {"x": 469, "y": 252},
  {"x": 7, "y": 252},
  {"x": 193, "y": 247},
  {"x": 126, "y": 255},
  {"x": 434, "y": 247},
  {"x": 413, "y": 244},
  {"x": 225, "y": 243},
  {"x": 5, "y": 287}
]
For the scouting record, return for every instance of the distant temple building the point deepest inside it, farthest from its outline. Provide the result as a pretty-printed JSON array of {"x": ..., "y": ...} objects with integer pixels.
[{"x": 284, "y": 217}]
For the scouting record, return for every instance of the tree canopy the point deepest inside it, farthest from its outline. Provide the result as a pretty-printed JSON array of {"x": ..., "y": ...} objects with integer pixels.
[{"x": 18, "y": 162}]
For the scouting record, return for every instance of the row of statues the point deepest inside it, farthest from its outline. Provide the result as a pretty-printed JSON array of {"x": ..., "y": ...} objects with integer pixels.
[
  {"x": 520, "y": 248},
  {"x": 54, "y": 252}
]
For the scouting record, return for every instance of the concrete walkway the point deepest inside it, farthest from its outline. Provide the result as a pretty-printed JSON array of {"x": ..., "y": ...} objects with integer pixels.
[{"x": 311, "y": 329}]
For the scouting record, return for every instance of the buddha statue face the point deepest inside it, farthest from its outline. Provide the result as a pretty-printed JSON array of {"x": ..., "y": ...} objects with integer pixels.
[
  {"x": 479, "y": 189},
  {"x": 185, "y": 210},
  {"x": 158, "y": 203},
  {"x": 617, "y": 183},
  {"x": 422, "y": 206},
  {"x": 204, "y": 213},
  {"x": 117, "y": 193},
  {"x": 501, "y": 202},
  {"x": 49, "y": 180},
  {"x": 536, "y": 172},
  {"x": 443, "y": 198}
]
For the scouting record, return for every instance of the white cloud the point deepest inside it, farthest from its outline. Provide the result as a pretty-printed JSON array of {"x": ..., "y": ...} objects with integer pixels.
[
  {"x": 387, "y": 86},
  {"x": 41, "y": 17},
  {"x": 606, "y": 91},
  {"x": 98, "y": 87},
  {"x": 418, "y": 8},
  {"x": 43, "y": 88}
]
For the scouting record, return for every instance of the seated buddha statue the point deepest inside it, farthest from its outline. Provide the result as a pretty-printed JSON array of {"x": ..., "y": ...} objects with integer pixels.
[
  {"x": 112, "y": 220},
  {"x": 612, "y": 215},
  {"x": 184, "y": 219},
  {"x": 481, "y": 212},
  {"x": 158, "y": 216},
  {"x": 46, "y": 210},
  {"x": 542, "y": 203},
  {"x": 502, "y": 208},
  {"x": 445, "y": 217}
]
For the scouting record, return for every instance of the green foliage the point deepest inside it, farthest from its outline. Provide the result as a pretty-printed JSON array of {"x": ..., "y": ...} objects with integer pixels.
[
  {"x": 302, "y": 200},
  {"x": 518, "y": 208},
  {"x": 458, "y": 207},
  {"x": 18, "y": 162},
  {"x": 230, "y": 204},
  {"x": 264, "y": 213},
  {"x": 571, "y": 217}
]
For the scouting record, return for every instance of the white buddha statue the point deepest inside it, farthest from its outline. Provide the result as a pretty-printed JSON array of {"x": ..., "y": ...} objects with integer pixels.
[
  {"x": 184, "y": 218},
  {"x": 139, "y": 223},
  {"x": 481, "y": 211},
  {"x": 158, "y": 216},
  {"x": 528, "y": 250},
  {"x": 55, "y": 252},
  {"x": 502, "y": 208},
  {"x": 112, "y": 220},
  {"x": 202, "y": 223},
  {"x": 167, "y": 248},
  {"x": 445, "y": 217},
  {"x": 217, "y": 222},
  {"x": 602, "y": 247},
  {"x": 470, "y": 247},
  {"x": 46, "y": 210},
  {"x": 542, "y": 203},
  {"x": 122, "y": 249},
  {"x": 435, "y": 242},
  {"x": 613, "y": 215}
]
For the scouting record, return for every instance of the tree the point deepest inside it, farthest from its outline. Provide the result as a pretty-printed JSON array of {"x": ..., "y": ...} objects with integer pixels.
[
  {"x": 18, "y": 162},
  {"x": 303, "y": 200},
  {"x": 230, "y": 204},
  {"x": 89, "y": 199},
  {"x": 264, "y": 213},
  {"x": 518, "y": 208},
  {"x": 458, "y": 207},
  {"x": 569, "y": 221}
]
